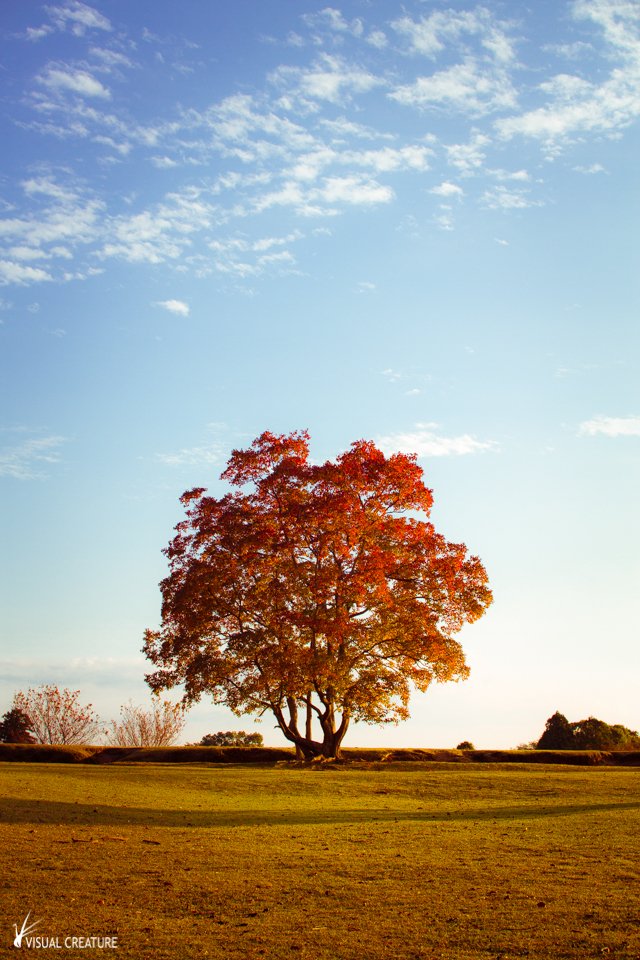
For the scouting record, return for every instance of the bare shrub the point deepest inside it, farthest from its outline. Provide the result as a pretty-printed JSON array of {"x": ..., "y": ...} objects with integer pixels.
[{"x": 160, "y": 726}]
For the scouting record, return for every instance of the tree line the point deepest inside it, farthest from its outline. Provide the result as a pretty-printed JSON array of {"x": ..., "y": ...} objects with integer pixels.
[{"x": 50, "y": 715}]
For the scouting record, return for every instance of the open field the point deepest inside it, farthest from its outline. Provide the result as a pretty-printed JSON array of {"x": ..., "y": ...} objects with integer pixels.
[{"x": 432, "y": 861}]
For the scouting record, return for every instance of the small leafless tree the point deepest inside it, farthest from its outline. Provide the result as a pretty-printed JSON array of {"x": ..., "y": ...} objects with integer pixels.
[
  {"x": 159, "y": 726},
  {"x": 56, "y": 716}
]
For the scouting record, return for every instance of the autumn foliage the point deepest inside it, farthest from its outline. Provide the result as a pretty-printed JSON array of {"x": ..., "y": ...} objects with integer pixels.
[
  {"x": 319, "y": 592},
  {"x": 57, "y": 716}
]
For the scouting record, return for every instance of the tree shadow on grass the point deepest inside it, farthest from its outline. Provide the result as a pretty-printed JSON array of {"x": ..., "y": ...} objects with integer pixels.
[{"x": 78, "y": 815}]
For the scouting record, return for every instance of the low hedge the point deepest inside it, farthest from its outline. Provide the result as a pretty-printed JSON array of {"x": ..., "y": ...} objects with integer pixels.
[{"x": 43, "y": 753}]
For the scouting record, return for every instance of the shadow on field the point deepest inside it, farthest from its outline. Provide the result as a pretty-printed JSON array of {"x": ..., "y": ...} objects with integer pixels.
[{"x": 77, "y": 814}]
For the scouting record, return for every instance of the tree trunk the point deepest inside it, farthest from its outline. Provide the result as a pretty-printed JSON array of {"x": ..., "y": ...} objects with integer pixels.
[{"x": 306, "y": 747}]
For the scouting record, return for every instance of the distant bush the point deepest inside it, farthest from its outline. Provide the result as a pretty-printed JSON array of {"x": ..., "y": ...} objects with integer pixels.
[
  {"x": 589, "y": 734},
  {"x": 232, "y": 738},
  {"x": 465, "y": 745}
]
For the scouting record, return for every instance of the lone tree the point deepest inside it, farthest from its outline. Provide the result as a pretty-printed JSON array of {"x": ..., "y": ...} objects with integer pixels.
[
  {"x": 558, "y": 734},
  {"x": 15, "y": 727},
  {"x": 319, "y": 592},
  {"x": 56, "y": 716}
]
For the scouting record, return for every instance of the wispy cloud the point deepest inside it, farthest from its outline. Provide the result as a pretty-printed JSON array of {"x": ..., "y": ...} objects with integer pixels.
[
  {"x": 61, "y": 219},
  {"x": 575, "y": 106},
  {"x": 25, "y": 460},
  {"x": 425, "y": 441},
  {"x": 502, "y": 198},
  {"x": 175, "y": 306},
  {"x": 205, "y": 455},
  {"x": 78, "y": 17},
  {"x": 101, "y": 671},
  {"x": 309, "y": 138},
  {"x": 611, "y": 426}
]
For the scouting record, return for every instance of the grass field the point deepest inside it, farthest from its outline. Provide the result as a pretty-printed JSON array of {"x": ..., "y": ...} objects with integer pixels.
[{"x": 432, "y": 861}]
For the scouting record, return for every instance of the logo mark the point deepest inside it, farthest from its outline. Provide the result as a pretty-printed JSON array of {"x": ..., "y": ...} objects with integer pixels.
[{"x": 25, "y": 929}]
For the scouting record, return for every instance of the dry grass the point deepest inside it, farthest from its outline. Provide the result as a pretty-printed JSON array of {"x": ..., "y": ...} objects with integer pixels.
[{"x": 432, "y": 861}]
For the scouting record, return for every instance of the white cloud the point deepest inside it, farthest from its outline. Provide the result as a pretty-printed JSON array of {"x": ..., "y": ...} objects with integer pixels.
[
  {"x": 330, "y": 78},
  {"x": 325, "y": 198},
  {"x": 26, "y": 253},
  {"x": 175, "y": 306},
  {"x": 469, "y": 157},
  {"x": 155, "y": 236},
  {"x": 164, "y": 163},
  {"x": 430, "y": 35},
  {"x": 611, "y": 426},
  {"x": 377, "y": 39},
  {"x": 425, "y": 441},
  {"x": 445, "y": 220},
  {"x": 590, "y": 169},
  {"x": 447, "y": 189},
  {"x": 389, "y": 159},
  {"x": 468, "y": 87},
  {"x": 11, "y": 272},
  {"x": 76, "y": 81},
  {"x": 22, "y": 461},
  {"x": 353, "y": 190}
]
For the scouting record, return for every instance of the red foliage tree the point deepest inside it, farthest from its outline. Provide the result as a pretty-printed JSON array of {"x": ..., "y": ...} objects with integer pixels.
[
  {"x": 319, "y": 592},
  {"x": 56, "y": 716}
]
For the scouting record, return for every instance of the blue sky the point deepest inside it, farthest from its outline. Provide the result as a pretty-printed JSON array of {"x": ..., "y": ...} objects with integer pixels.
[{"x": 411, "y": 223}]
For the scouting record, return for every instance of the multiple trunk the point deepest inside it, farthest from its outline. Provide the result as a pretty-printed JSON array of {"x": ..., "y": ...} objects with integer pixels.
[{"x": 308, "y": 748}]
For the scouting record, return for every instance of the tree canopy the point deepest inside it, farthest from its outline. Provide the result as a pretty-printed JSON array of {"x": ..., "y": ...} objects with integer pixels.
[{"x": 319, "y": 592}]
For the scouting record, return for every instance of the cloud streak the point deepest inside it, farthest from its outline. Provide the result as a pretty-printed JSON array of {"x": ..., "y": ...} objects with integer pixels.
[
  {"x": 611, "y": 427},
  {"x": 425, "y": 441},
  {"x": 25, "y": 460}
]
